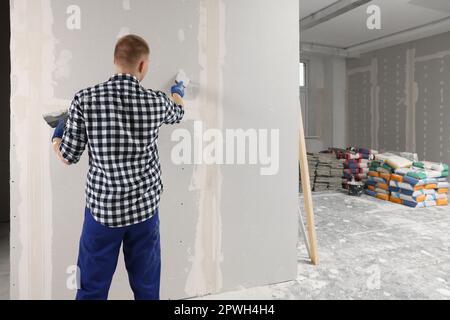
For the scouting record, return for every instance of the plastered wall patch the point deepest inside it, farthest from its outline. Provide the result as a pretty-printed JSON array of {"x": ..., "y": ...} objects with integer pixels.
[
  {"x": 205, "y": 275},
  {"x": 126, "y": 4},
  {"x": 31, "y": 219},
  {"x": 181, "y": 36},
  {"x": 62, "y": 69},
  {"x": 123, "y": 32}
]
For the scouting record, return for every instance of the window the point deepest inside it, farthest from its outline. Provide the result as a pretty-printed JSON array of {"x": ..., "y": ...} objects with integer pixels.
[
  {"x": 302, "y": 74},
  {"x": 307, "y": 113}
]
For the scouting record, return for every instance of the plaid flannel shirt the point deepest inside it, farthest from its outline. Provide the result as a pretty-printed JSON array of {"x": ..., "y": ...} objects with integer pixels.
[{"x": 119, "y": 120}]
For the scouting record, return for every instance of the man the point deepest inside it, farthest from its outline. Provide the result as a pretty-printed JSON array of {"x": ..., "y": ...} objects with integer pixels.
[{"x": 119, "y": 121}]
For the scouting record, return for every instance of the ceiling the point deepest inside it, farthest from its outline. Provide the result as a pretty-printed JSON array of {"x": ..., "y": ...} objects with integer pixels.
[
  {"x": 308, "y": 7},
  {"x": 349, "y": 29}
]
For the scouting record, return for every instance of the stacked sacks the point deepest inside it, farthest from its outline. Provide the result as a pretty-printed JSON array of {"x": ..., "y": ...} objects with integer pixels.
[
  {"x": 313, "y": 160},
  {"x": 430, "y": 169},
  {"x": 312, "y": 164},
  {"x": 357, "y": 168},
  {"x": 381, "y": 173},
  {"x": 403, "y": 180},
  {"x": 442, "y": 192},
  {"x": 368, "y": 154},
  {"x": 424, "y": 184},
  {"x": 328, "y": 172},
  {"x": 356, "y": 164},
  {"x": 378, "y": 180},
  {"x": 414, "y": 193},
  {"x": 325, "y": 171}
]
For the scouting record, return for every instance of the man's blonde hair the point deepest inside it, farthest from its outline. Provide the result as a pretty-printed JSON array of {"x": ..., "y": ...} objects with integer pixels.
[{"x": 130, "y": 50}]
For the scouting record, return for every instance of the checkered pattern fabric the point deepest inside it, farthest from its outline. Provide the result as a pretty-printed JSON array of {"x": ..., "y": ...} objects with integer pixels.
[{"x": 119, "y": 120}]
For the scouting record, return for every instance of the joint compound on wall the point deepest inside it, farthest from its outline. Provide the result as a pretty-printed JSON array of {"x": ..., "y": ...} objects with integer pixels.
[
  {"x": 31, "y": 210},
  {"x": 205, "y": 275},
  {"x": 411, "y": 94},
  {"x": 374, "y": 94}
]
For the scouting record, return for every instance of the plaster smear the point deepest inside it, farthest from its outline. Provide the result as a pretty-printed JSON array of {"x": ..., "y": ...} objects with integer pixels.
[
  {"x": 63, "y": 65},
  {"x": 181, "y": 36},
  {"x": 205, "y": 276},
  {"x": 123, "y": 32},
  {"x": 126, "y": 5},
  {"x": 31, "y": 230}
]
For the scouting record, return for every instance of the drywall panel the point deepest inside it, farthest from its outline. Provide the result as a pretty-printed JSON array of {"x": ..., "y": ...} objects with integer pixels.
[
  {"x": 409, "y": 89},
  {"x": 339, "y": 108},
  {"x": 325, "y": 110},
  {"x": 392, "y": 99},
  {"x": 359, "y": 121},
  {"x": 432, "y": 108},
  {"x": 224, "y": 224},
  {"x": 245, "y": 213}
]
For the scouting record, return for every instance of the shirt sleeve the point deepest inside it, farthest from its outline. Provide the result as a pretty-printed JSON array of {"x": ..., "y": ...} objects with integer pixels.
[
  {"x": 74, "y": 138},
  {"x": 174, "y": 112}
]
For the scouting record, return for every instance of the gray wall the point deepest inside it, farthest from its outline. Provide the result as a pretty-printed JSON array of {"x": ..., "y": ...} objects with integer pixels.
[
  {"x": 398, "y": 98},
  {"x": 224, "y": 227},
  {"x": 325, "y": 108}
]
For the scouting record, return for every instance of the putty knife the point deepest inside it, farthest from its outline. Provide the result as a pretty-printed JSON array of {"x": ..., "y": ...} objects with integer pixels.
[
  {"x": 53, "y": 118},
  {"x": 182, "y": 77}
]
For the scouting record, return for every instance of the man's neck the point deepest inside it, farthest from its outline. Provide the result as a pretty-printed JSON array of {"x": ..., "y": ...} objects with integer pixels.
[{"x": 122, "y": 71}]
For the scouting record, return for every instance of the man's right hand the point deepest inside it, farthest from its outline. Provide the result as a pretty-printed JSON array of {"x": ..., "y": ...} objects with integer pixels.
[{"x": 178, "y": 88}]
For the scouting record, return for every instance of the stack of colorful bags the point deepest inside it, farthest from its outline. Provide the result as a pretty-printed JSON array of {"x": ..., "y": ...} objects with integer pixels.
[
  {"x": 424, "y": 184},
  {"x": 380, "y": 174},
  {"x": 356, "y": 164},
  {"x": 402, "y": 180}
]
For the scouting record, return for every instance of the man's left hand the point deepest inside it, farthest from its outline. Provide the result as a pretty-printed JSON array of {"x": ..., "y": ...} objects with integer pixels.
[
  {"x": 57, "y": 138},
  {"x": 56, "y": 148}
]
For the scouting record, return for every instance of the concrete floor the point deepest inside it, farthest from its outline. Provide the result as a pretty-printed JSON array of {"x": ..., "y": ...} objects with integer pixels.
[
  {"x": 368, "y": 249},
  {"x": 4, "y": 261}
]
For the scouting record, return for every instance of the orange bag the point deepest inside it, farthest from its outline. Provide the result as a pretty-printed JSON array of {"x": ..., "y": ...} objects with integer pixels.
[
  {"x": 374, "y": 174},
  {"x": 395, "y": 200},
  {"x": 383, "y": 196},
  {"x": 383, "y": 186},
  {"x": 421, "y": 198},
  {"x": 397, "y": 177}
]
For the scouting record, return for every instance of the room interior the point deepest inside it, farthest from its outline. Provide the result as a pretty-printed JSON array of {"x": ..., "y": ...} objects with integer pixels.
[{"x": 371, "y": 82}]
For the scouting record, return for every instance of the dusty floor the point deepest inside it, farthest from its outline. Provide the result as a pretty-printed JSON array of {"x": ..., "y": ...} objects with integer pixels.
[
  {"x": 369, "y": 249},
  {"x": 4, "y": 261}
]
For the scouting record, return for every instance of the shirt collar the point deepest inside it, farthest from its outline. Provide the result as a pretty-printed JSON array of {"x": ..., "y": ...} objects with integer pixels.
[{"x": 124, "y": 76}]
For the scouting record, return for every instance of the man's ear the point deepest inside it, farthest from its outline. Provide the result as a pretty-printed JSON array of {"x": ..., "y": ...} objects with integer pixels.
[{"x": 141, "y": 66}]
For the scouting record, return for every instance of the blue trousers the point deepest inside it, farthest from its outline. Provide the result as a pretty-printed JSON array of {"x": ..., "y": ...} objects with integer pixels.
[{"x": 99, "y": 251}]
